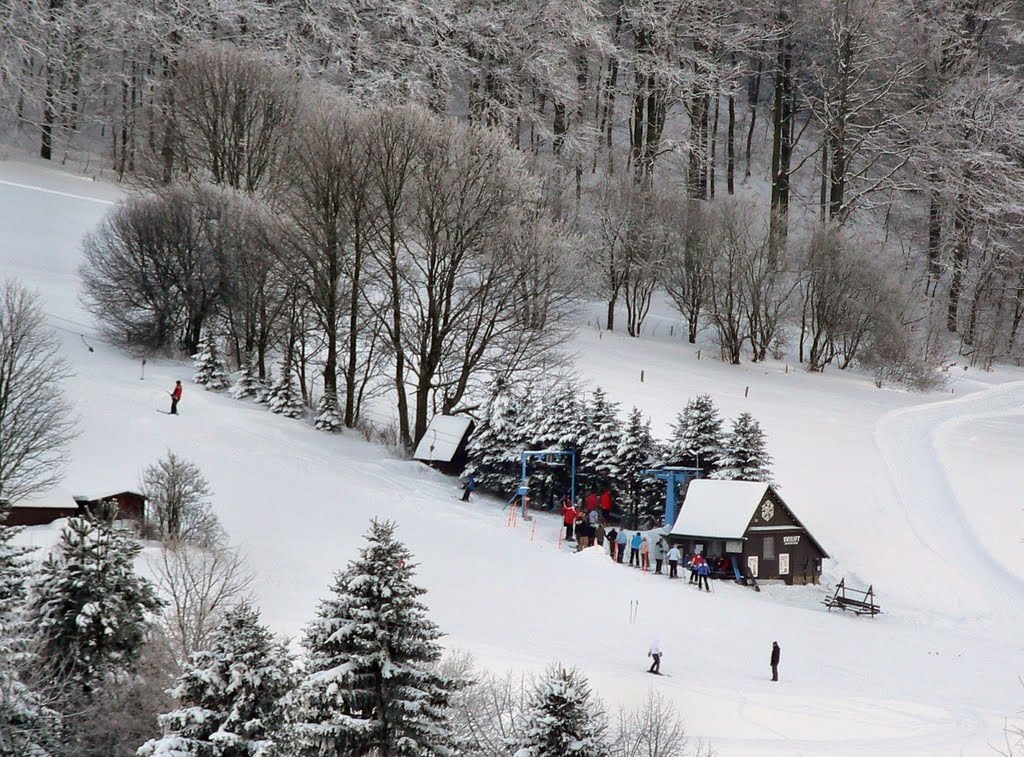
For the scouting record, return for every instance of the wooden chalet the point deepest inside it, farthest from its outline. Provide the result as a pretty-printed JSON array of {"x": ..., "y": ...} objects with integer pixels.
[
  {"x": 131, "y": 505},
  {"x": 443, "y": 446},
  {"x": 42, "y": 508},
  {"x": 58, "y": 503},
  {"x": 751, "y": 525}
]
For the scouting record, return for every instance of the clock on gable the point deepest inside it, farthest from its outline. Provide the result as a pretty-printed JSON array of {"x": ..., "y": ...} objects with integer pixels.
[{"x": 768, "y": 510}]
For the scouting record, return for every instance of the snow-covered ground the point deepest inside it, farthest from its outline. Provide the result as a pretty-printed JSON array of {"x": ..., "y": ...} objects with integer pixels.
[{"x": 916, "y": 494}]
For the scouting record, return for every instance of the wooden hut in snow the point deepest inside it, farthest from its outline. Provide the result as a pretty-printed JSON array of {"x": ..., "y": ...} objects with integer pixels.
[
  {"x": 749, "y": 524},
  {"x": 443, "y": 446}
]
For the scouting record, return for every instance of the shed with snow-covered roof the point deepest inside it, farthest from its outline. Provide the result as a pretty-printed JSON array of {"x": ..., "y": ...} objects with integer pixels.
[
  {"x": 748, "y": 526},
  {"x": 443, "y": 446},
  {"x": 43, "y": 508}
]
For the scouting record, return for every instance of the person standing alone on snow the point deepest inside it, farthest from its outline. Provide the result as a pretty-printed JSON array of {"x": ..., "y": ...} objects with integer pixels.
[
  {"x": 175, "y": 396},
  {"x": 655, "y": 652},
  {"x": 776, "y": 653},
  {"x": 468, "y": 487}
]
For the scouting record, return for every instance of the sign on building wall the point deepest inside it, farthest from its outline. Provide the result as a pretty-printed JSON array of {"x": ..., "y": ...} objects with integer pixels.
[
  {"x": 783, "y": 563},
  {"x": 752, "y": 564},
  {"x": 789, "y": 540}
]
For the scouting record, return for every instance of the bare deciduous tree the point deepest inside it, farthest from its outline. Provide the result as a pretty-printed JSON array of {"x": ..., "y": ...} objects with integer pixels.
[
  {"x": 200, "y": 586},
  {"x": 652, "y": 729},
  {"x": 233, "y": 111},
  {"x": 36, "y": 421},
  {"x": 179, "y": 502}
]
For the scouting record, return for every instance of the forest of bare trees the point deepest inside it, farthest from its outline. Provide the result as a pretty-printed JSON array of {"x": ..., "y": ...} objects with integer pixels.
[{"x": 409, "y": 185}]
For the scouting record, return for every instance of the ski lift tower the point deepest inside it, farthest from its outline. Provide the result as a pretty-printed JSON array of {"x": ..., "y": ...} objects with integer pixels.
[
  {"x": 550, "y": 456},
  {"x": 675, "y": 477}
]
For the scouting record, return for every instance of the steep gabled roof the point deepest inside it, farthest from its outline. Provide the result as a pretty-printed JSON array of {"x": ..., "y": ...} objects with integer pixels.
[
  {"x": 442, "y": 438},
  {"x": 718, "y": 509}
]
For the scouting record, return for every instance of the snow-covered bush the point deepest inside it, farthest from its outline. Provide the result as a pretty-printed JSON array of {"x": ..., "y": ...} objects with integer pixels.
[
  {"x": 211, "y": 368},
  {"x": 562, "y": 719},
  {"x": 370, "y": 684}
]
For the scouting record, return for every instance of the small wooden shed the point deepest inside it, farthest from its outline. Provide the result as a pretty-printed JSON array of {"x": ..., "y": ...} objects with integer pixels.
[
  {"x": 443, "y": 446},
  {"x": 42, "y": 508},
  {"x": 131, "y": 505},
  {"x": 750, "y": 524}
]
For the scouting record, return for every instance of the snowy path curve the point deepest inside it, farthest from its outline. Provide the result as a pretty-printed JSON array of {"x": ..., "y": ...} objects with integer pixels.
[{"x": 958, "y": 573}]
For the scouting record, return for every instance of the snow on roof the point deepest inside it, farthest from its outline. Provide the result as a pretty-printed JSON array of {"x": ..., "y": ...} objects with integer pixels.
[
  {"x": 718, "y": 509},
  {"x": 96, "y": 495},
  {"x": 53, "y": 499},
  {"x": 442, "y": 439}
]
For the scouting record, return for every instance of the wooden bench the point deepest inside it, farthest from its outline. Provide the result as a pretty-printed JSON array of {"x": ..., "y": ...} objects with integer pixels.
[{"x": 860, "y": 603}]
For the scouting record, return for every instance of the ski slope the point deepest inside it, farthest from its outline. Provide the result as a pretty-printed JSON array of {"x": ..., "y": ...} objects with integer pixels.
[{"x": 913, "y": 493}]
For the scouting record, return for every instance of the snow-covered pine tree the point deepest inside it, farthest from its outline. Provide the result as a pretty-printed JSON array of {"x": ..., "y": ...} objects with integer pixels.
[
  {"x": 745, "y": 457},
  {"x": 249, "y": 383},
  {"x": 327, "y": 417},
  {"x": 562, "y": 719},
  {"x": 89, "y": 608},
  {"x": 370, "y": 686},
  {"x": 211, "y": 369},
  {"x": 495, "y": 448},
  {"x": 599, "y": 467},
  {"x": 697, "y": 436},
  {"x": 557, "y": 422},
  {"x": 284, "y": 396},
  {"x": 27, "y": 726},
  {"x": 638, "y": 493},
  {"x": 230, "y": 695}
]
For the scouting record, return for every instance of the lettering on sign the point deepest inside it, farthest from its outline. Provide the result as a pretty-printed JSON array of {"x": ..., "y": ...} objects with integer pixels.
[{"x": 791, "y": 539}]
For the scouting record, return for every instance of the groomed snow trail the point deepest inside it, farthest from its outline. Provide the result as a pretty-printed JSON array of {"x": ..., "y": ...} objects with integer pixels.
[{"x": 956, "y": 572}]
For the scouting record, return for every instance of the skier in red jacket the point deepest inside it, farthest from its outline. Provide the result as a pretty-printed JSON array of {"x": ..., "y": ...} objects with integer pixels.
[
  {"x": 569, "y": 514},
  {"x": 175, "y": 396}
]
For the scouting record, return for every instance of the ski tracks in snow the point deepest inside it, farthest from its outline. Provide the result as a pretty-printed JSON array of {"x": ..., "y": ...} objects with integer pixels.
[{"x": 957, "y": 568}]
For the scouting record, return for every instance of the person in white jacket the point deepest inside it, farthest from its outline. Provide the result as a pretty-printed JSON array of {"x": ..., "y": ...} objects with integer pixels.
[
  {"x": 655, "y": 652},
  {"x": 673, "y": 562}
]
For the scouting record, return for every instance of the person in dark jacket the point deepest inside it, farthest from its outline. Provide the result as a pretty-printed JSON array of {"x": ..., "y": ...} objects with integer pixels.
[
  {"x": 612, "y": 536},
  {"x": 468, "y": 487},
  {"x": 776, "y": 653},
  {"x": 175, "y": 397}
]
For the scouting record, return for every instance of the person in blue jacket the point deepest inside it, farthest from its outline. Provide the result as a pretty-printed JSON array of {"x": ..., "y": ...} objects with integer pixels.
[
  {"x": 634, "y": 549},
  {"x": 703, "y": 571},
  {"x": 468, "y": 487}
]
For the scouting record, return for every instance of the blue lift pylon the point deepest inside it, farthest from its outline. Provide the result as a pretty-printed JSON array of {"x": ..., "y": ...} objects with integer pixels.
[{"x": 675, "y": 477}]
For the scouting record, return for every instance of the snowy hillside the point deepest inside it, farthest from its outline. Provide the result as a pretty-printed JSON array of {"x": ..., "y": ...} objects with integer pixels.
[{"x": 914, "y": 494}]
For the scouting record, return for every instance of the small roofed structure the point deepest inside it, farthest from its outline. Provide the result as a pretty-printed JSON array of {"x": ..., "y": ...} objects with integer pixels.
[
  {"x": 58, "y": 503},
  {"x": 443, "y": 446},
  {"x": 750, "y": 525},
  {"x": 41, "y": 509},
  {"x": 131, "y": 505}
]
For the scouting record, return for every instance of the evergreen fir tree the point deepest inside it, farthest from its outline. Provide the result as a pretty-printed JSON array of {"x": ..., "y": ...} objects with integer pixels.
[
  {"x": 697, "y": 437},
  {"x": 89, "y": 609},
  {"x": 249, "y": 383},
  {"x": 562, "y": 720},
  {"x": 557, "y": 423},
  {"x": 745, "y": 457},
  {"x": 640, "y": 494},
  {"x": 230, "y": 695},
  {"x": 211, "y": 369},
  {"x": 370, "y": 686},
  {"x": 599, "y": 467},
  {"x": 27, "y": 726},
  {"x": 284, "y": 396},
  {"x": 327, "y": 416},
  {"x": 495, "y": 448}
]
